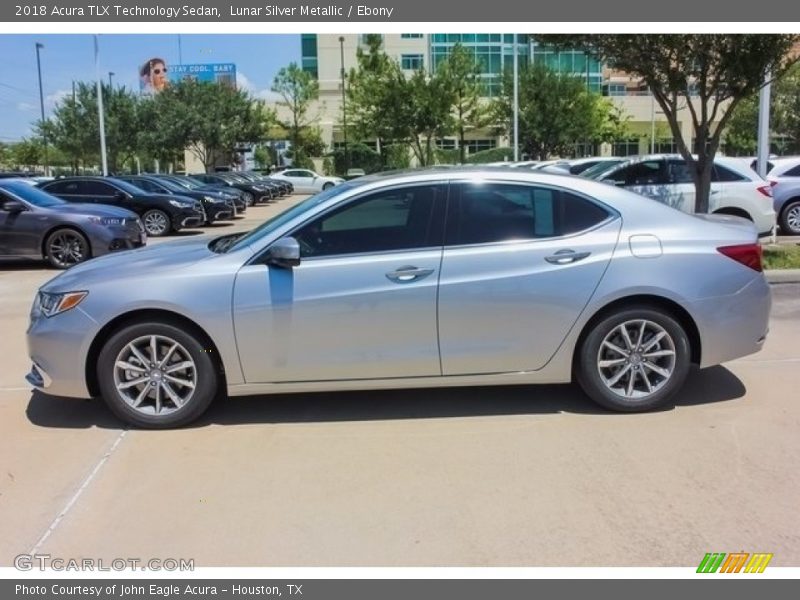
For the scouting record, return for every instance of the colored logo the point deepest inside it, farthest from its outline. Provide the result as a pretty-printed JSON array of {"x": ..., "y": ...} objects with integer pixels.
[{"x": 735, "y": 562}]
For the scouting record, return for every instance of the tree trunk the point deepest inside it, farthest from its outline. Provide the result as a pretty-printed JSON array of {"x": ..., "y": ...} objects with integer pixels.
[
  {"x": 461, "y": 148},
  {"x": 703, "y": 186}
]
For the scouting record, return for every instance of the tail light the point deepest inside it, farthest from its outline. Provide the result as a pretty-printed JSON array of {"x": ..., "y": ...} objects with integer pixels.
[
  {"x": 747, "y": 254},
  {"x": 766, "y": 190}
]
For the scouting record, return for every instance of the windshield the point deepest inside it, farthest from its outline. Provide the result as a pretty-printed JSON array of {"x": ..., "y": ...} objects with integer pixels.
[
  {"x": 186, "y": 183},
  {"x": 277, "y": 221},
  {"x": 30, "y": 194},
  {"x": 595, "y": 170},
  {"x": 170, "y": 185}
]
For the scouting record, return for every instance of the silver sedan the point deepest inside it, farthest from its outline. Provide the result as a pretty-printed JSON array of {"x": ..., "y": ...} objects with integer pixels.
[{"x": 449, "y": 277}]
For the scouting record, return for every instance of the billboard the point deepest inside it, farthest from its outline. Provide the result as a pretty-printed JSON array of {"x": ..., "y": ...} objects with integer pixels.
[{"x": 155, "y": 75}]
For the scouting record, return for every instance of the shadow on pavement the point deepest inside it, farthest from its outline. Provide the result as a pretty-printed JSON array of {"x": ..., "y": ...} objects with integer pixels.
[
  {"x": 23, "y": 264},
  {"x": 716, "y": 384}
]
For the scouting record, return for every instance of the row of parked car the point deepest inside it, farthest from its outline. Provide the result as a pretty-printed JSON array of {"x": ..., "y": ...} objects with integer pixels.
[
  {"x": 736, "y": 189},
  {"x": 69, "y": 220}
]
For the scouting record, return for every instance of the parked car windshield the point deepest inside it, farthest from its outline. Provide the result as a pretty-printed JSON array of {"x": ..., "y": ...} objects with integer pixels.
[
  {"x": 600, "y": 168},
  {"x": 31, "y": 194},
  {"x": 277, "y": 221}
]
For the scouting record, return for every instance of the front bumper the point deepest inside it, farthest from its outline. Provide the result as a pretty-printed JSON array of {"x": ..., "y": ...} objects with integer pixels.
[
  {"x": 188, "y": 217},
  {"x": 113, "y": 239},
  {"x": 218, "y": 212}
]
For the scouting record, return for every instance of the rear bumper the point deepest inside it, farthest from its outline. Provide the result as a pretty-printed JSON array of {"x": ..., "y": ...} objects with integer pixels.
[{"x": 733, "y": 326}]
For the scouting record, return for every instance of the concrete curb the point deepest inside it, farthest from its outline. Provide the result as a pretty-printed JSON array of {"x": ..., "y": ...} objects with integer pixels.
[{"x": 783, "y": 275}]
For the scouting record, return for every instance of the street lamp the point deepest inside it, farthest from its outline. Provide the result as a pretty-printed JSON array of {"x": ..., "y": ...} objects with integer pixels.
[
  {"x": 41, "y": 105},
  {"x": 110, "y": 80},
  {"x": 344, "y": 107}
]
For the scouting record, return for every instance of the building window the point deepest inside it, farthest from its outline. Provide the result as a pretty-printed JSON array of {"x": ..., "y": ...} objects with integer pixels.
[
  {"x": 614, "y": 89},
  {"x": 629, "y": 147},
  {"x": 666, "y": 146},
  {"x": 411, "y": 62},
  {"x": 362, "y": 39},
  {"x": 410, "y": 36},
  {"x": 308, "y": 44},
  {"x": 446, "y": 144},
  {"x": 474, "y": 146}
]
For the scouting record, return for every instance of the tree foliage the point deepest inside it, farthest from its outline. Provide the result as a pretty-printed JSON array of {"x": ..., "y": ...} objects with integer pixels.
[
  {"x": 299, "y": 89},
  {"x": 556, "y": 110},
  {"x": 461, "y": 75},
  {"x": 716, "y": 71}
]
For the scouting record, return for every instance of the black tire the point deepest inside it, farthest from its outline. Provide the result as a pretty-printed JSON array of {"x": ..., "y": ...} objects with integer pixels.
[
  {"x": 588, "y": 369},
  {"x": 204, "y": 373},
  {"x": 249, "y": 199},
  {"x": 327, "y": 186},
  {"x": 156, "y": 222},
  {"x": 790, "y": 218},
  {"x": 66, "y": 247}
]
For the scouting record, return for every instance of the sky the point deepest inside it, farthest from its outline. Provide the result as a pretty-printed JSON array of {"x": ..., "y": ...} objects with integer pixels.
[{"x": 68, "y": 58}]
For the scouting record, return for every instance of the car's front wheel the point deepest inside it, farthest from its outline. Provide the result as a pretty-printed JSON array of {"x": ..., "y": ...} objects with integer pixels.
[
  {"x": 156, "y": 375},
  {"x": 66, "y": 247},
  {"x": 634, "y": 360},
  {"x": 156, "y": 222},
  {"x": 327, "y": 186}
]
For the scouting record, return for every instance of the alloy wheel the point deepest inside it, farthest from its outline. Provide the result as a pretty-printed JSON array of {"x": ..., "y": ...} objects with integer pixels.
[{"x": 67, "y": 248}]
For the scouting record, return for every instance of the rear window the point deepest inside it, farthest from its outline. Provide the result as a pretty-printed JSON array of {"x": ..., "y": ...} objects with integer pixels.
[
  {"x": 793, "y": 172},
  {"x": 723, "y": 174}
]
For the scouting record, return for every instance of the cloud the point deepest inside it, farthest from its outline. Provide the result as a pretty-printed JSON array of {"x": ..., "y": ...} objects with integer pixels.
[
  {"x": 52, "y": 100},
  {"x": 25, "y": 106},
  {"x": 266, "y": 94}
]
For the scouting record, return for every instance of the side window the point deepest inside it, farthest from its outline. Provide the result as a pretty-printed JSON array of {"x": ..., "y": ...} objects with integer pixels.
[
  {"x": 62, "y": 187},
  {"x": 678, "y": 172},
  {"x": 489, "y": 213},
  {"x": 398, "y": 219},
  {"x": 96, "y": 188},
  {"x": 643, "y": 173},
  {"x": 793, "y": 172},
  {"x": 720, "y": 173},
  {"x": 147, "y": 185}
]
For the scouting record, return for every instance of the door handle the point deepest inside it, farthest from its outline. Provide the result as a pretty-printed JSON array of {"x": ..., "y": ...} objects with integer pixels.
[
  {"x": 408, "y": 274},
  {"x": 565, "y": 257},
  {"x": 714, "y": 192}
]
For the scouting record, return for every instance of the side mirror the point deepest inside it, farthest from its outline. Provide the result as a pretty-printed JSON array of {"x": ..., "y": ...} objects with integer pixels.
[
  {"x": 284, "y": 253},
  {"x": 120, "y": 195},
  {"x": 14, "y": 206}
]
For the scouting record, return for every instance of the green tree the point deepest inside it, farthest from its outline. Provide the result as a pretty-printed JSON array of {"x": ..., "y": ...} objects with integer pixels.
[
  {"x": 376, "y": 105},
  {"x": 462, "y": 77},
  {"x": 73, "y": 127},
  {"x": 210, "y": 119},
  {"x": 556, "y": 111},
  {"x": 717, "y": 72},
  {"x": 28, "y": 154},
  {"x": 741, "y": 134},
  {"x": 426, "y": 113},
  {"x": 299, "y": 89}
]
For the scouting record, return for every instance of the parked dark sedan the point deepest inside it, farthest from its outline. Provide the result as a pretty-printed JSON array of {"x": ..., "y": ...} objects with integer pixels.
[
  {"x": 255, "y": 193},
  {"x": 161, "y": 213},
  {"x": 36, "y": 225},
  {"x": 216, "y": 206},
  {"x": 238, "y": 196}
]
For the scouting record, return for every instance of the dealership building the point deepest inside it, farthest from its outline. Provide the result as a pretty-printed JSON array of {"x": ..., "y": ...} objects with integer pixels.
[{"x": 324, "y": 56}]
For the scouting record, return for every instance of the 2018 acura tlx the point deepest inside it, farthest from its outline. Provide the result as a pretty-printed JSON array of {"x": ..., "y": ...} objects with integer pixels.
[{"x": 443, "y": 277}]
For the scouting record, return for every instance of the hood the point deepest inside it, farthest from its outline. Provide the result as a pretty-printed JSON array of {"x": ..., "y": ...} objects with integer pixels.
[
  {"x": 94, "y": 210},
  {"x": 166, "y": 257}
]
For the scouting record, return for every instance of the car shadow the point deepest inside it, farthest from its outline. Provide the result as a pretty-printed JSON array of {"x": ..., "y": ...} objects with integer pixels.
[
  {"x": 716, "y": 384},
  {"x": 15, "y": 264}
]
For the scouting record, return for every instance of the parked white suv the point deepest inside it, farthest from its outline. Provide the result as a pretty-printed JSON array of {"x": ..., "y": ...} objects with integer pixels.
[{"x": 735, "y": 188}]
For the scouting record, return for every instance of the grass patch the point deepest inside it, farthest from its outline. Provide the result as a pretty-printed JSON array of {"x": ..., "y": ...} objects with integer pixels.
[{"x": 783, "y": 256}]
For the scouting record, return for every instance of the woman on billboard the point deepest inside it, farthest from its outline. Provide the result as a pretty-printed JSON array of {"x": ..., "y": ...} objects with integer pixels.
[{"x": 153, "y": 75}]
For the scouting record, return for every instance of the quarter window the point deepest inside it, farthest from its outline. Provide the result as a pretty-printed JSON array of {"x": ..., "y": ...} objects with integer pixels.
[
  {"x": 398, "y": 219},
  {"x": 489, "y": 213},
  {"x": 719, "y": 173},
  {"x": 793, "y": 172}
]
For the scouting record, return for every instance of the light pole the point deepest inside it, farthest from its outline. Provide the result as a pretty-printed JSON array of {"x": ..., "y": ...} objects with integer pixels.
[
  {"x": 516, "y": 100},
  {"x": 110, "y": 78},
  {"x": 41, "y": 105},
  {"x": 100, "y": 115},
  {"x": 344, "y": 107}
]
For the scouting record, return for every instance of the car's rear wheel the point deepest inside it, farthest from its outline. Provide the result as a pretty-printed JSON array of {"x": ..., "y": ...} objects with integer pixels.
[
  {"x": 156, "y": 222},
  {"x": 634, "y": 360},
  {"x": 790, "y": 218},
  {"x": 327, "y": 186},
  {"x": 156, "y": 375},
  {"x": 65, "y": 248}
]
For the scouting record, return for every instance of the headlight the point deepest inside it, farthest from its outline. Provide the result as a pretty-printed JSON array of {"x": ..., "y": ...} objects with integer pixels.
[
  {"x": 52, "y": 304},
  {"x": 213, "y": 200},
  {"x": 107, "y": 220},
  {"x": 179, "y": 204}
]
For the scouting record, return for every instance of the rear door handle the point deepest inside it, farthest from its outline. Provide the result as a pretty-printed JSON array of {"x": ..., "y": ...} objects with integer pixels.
[
  {"x": 408, "y": 274},
  {"x": 565, "y": 257}
]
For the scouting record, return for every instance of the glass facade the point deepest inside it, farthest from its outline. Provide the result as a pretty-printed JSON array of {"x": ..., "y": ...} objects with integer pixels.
[
  {"x": 570, "y": 62},
  {"x": 410, "y": 36},
  {"x": 310, "y": 61},
  {"x": 494, "y": 52}
]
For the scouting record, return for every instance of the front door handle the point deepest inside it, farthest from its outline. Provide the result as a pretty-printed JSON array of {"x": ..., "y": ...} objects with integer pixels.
[
  {"x": 565, "y": 257},
  {"x": 408, "y": 274}
]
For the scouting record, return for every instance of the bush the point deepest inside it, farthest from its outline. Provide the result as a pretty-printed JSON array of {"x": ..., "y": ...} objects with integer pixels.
[
  {"x": 448, "y": 157},
  {"x": 360, "y": 156},
  {"x": 327, "y": 166},
  {"x": 398, "y": 157},
  {"x": 492, "y": 155}
]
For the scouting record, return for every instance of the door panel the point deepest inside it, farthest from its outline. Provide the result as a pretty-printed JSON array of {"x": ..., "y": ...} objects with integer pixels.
[{"x": 507, "y": 306}]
